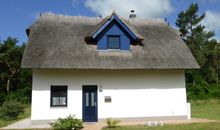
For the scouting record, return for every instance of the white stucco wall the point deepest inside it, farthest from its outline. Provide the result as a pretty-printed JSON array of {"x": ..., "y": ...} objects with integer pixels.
[{"x": 135, "y": 93}]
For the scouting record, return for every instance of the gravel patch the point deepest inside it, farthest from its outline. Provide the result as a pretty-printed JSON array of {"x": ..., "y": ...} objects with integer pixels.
[{"x": 26, "y": 124}]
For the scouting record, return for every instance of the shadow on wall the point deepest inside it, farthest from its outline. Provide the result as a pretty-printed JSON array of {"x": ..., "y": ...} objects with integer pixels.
[{"x": 109, "y": 79}]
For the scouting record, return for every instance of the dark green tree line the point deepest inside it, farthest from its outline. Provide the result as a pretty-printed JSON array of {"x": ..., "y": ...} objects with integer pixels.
[
  {"x": 15, "y": 82},
  {"x": 202, "y": 83}
]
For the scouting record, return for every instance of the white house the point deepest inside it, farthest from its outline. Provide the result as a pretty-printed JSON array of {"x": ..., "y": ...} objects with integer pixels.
[{"x": 96, "y": 68}]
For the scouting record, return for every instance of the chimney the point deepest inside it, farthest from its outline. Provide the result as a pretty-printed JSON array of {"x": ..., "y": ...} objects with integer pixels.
[
  {"x": 165, "y": 19},
  {"x": 132, "y": 15}
]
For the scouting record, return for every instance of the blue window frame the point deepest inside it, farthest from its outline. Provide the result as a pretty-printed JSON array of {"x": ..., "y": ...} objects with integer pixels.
[{"x": 113, "y": 41}]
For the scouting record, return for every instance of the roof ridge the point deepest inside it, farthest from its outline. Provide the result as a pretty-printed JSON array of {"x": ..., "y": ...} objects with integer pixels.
[
  {"x": 46, "y": 14},
  {"x": 138, "y": 19},
  {"x": 60, "y": 17}
]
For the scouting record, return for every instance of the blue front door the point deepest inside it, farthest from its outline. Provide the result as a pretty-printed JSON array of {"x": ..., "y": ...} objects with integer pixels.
[{"x": 90, "y": 103}]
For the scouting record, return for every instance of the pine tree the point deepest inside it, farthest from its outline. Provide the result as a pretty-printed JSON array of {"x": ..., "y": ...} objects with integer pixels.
[
  {"x": 203, "y": 47},
  {"x": 10, "y": 59}
]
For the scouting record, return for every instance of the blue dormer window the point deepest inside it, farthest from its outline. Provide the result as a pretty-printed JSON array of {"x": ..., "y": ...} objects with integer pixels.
[
  {"x": 113, "y": 33},
  {"x": 113, "y": 42}
]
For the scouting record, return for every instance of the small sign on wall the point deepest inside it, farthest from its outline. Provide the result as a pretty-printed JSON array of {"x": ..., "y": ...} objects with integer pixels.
[{"x": 108, "y": 99}]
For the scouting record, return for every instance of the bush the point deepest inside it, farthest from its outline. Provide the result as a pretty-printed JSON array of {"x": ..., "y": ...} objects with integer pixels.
[
  {"x": 67, "y": 123},
  {"x": 2, "y": 97},
  {"x": 20, "y": 95},
  {"x": 10, "y": 110},
  {"x": 205, "y": 102},
  {"x": 112, "y": 123}
]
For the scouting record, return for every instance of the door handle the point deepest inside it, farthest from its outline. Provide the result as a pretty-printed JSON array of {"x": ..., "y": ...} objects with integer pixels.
[{"x": 95, "y": 104}]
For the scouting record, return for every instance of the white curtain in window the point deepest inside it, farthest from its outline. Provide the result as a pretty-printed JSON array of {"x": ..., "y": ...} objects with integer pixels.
[{"x": 59, "y": 101}]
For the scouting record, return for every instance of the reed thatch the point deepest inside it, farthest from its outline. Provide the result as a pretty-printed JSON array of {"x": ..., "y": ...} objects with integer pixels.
[{"x": 57, "y": 41}]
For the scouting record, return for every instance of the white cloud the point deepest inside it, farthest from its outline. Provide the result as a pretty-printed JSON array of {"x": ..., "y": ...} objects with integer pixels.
[
  {"x": 212, "y": 22},
  {"x": 143, "y": 8}
]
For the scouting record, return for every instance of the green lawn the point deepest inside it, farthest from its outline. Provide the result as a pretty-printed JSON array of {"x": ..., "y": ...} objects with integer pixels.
[
  {"x": 202, "y": 126},
  {"x": 27, "y": 113},
  {"x": 210, "y": 111}
]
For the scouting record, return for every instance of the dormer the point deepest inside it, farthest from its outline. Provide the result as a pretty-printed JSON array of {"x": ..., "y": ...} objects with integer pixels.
[{"x": 113, "y": 34}]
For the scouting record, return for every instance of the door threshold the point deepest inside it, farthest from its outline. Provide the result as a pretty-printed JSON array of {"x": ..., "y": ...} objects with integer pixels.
[{"x": 90, "y": 123}]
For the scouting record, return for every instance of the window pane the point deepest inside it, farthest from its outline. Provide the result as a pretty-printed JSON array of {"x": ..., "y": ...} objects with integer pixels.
[
  {"x": 113, "y": 42},
  {"x": 62, "y": 101},
  {"x": 59, "y": 94},
  {"x": 92, "y": 99},
  {"x": 55, "y": 101},
  {"x": 87, "y": 99}
]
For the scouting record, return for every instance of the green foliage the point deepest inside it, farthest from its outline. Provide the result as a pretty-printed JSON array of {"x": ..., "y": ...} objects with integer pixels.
[
  {"x": 18, "y": 96},
  {"x": 10, "y": 59},
  {"x": 12, "y": 76},
  {"x": 205, "y": 102},
  {"x": 202, "y": 83},
  {"x": 10, "y": 110},
  {"x": 112, "y": 123},
  {"x": 11, "y": 54},
  {"x": 67, "y": 123},
  {"x": 2, "y": 98},
  {"x": 26, "y": 114}
]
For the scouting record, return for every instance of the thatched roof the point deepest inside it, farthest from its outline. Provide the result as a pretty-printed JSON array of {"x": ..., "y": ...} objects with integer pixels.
[{"x": 57, "y": 41}]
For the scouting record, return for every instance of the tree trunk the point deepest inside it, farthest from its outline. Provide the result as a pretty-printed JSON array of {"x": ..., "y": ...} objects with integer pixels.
[
  {"x": 8, "y": 84},
  {"x": 194, "y": 81}
]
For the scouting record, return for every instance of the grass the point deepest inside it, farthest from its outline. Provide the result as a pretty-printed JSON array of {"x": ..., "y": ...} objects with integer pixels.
[
  {"x": 27, "y": 113},
  {"x": 200, "y": 126},
  {"x": 206, "y": 109}
]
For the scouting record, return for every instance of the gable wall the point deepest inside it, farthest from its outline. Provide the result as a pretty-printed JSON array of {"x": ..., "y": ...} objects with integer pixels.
[
  {"x": 137, "y": 93},
  {"x": 114, "y": 30}
]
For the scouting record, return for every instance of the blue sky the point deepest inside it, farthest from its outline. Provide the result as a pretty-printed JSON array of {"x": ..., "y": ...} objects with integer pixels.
[{"x": 17, "y": 15}]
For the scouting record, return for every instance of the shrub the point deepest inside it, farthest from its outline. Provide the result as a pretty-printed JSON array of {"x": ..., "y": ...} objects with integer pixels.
[
  {"x": 21, "y": 95},
  {"x": 10, "y": 110},
  {"x": 67, "y": 123},
  {"x": 112, "y": 123},
  {"x": 2, "y": 97}
]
